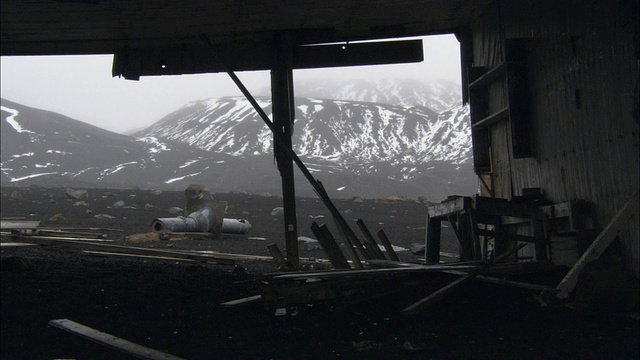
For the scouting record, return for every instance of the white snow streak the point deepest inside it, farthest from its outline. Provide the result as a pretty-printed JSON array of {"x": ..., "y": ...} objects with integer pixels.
[
  {"x": 188, "y": 163},
  {"x": 114, "y": 169},
  {"x": 156, "y": 145},
  {"x": 180, "y": 178},
  {"x": 58, "y": 152},
  {"x": 32, "y": 176},
  {"x": 12, "y": 120},
  {"x": 21, "y": 155}
]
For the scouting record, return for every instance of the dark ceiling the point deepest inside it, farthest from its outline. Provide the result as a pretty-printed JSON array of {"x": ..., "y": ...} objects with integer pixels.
[{"x": 55, "y": 27}]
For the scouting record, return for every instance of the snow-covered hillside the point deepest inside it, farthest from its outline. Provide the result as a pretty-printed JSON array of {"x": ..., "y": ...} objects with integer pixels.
[{"x": 356, "y": 147}]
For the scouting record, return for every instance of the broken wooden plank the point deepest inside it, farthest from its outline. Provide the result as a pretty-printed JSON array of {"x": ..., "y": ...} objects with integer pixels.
[
  {"x": 275, "y": 252},
  {"x": 349, "y": 247},
  {"x": 451, "y": 205},
  {"x": 55, "y": 233},
  {"x": 505, "y": 282},
  {"x": 70, "y": 234},
  {"x": 387, "y": 245},
  {"x": 373, "y": 272},
  {"x": 80, "y": 228},
  {"x": 319, "y": 263},
  {"x": 139, "y": 256},
  {"x": 439, "y": 294},
  {"x": 43, "y": 240},
  {"x": 330, "y": 246},
  {"x": 243, "y": 301},
  {"x": 599, "y": 245},
  {"x": 351, "y": 240},
  {"x": 370, "y": 241},
  {"x": 111, "y": 341},
  {"x": 23, "y": 236},
  {"x": 390, "y": 264},
  {"x": 18, "y": 224},
  {"x": 15, "y": 244}
]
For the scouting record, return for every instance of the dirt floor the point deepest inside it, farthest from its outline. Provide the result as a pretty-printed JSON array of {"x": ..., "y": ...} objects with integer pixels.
[{"x": 175, "y": 306}]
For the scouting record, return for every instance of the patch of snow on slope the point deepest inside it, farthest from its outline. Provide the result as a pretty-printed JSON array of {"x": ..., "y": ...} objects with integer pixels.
[
  {"x": 32, "y": 176},
  {"x": 180, "y": 178},
  {"x": 12, "y": 120},
  {"x": 58, "y": 152},
  {"x": 46, "y": 165},
  {"x": 188, "y": 163},
  {"x": 21, "y": 155},
  {"x": 114, "y": 169},
  {"x": 155, "y": 145}
]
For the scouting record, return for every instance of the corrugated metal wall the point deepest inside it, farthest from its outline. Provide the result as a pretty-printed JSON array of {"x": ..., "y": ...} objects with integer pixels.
[{"x": 583, "y": 68}]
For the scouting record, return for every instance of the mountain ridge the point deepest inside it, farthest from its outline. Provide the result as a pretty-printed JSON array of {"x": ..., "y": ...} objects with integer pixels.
[{"x": 356, "y": 148}]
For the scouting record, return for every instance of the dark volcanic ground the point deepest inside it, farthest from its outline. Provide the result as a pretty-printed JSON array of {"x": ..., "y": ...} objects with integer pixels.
[{"x": 174, "y": 306}]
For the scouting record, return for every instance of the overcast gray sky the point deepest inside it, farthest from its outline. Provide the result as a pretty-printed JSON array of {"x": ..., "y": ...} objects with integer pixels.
[{"x": 81, "y": 87}]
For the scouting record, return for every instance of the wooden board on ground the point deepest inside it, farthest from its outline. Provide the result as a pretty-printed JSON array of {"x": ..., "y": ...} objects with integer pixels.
[
  {"x": 243, "y": 301},
  {"x": 111, "y": 341},
  {"x": 18, "y": 224},
  {"x": 598, "y": 246},
  {"x": 43, "y": 240}
]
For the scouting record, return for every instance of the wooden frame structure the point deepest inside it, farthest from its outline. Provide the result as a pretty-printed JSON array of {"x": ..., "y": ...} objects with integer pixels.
[{"x": 553, "y": 85}]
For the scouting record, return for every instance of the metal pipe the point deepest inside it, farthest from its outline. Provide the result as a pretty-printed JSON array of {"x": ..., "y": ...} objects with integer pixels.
[
  {"x": 235, "y": 226},
  {"x": 202, "y": 220}
]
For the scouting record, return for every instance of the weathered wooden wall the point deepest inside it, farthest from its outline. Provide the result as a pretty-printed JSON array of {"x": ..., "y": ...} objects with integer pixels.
[{"x": 582, "y": 70}]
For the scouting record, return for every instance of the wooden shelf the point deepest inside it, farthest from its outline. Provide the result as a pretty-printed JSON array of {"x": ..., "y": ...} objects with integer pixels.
[
  {"x": 493, "y": 118},
  {"x": 489, "y": 77}
]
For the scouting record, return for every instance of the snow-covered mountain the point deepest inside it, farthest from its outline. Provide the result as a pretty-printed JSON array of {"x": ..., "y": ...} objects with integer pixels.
[
  {"x": 438, "y": 96},
  {"x": 50, "y": 149},
  {"x": 353, "y": 135},
  {"x": 356, "y": 148}
]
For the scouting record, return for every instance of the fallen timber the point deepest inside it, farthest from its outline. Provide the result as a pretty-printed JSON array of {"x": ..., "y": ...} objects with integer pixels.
[
  {"x": 440, "y": 293},
  {"x": 348, "y": 287},
  {"x": 95, "y": 247},
  {"x": 71, "y": 242},
  {"x": 379, "y": 276},
  {"x": 111, "y": 341},
  {"x": 29, "y": 227}
]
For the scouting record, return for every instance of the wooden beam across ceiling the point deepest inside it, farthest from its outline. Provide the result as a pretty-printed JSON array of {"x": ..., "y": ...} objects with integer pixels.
[
  {"x": 133, "y": 63},
  {"x": 76, "y": 27}
]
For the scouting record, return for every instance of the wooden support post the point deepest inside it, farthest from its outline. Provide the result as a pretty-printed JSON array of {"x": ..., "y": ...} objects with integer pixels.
[
  {"x": 500, "y": 245},
  {"x": 387, "y": 245},
  {"x": 466, "y": 237},
  {"x": 375, "y": 251},
  {"x": 316, "y": 184},
  {"x": 283, "y": 117},
  {"x": 541, "y": 241},
  {"x": 473, "y": 234},
  {"x": 455, "y": 225},
  {"x": 598, "y": 246},
  {"x": 432, "y": 247},
  {"x": 330, "y": 246}
]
